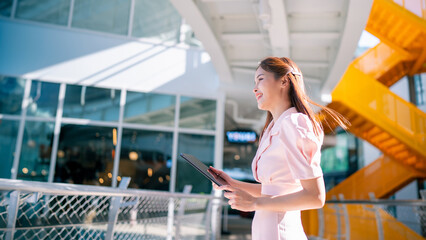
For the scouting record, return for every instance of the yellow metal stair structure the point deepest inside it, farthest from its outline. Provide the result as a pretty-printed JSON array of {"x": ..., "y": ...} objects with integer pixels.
[{"x": 388, "y": 122}]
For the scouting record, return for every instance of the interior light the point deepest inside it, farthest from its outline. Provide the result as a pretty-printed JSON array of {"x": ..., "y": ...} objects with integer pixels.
[
  {"x": 168, "y": 177},
  {"x": 160, "y": 179},
  {"x": 237, "y": 157},
  {"x": 101, "y": 180},
  {"x": 110, "y": 175},
  {"x": 118, "y": 178},
  {"x": 61, "y": 154},
  {"x": 43, "y": 172},
  {"x": 133, "y": 156},
  {"x": 114, "y": 136},
  {"x": 33, "y": 173},
  {"x": 25, "y": 170},
  {"x": 149, "y": 172}
]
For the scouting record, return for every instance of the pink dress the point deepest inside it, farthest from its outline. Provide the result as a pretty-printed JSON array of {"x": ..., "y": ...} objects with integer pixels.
[{"x": 288, "y": 152}]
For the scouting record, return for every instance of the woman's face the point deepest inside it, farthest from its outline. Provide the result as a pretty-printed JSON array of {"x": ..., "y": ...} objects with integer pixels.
[{"x": 268, "y": 90}]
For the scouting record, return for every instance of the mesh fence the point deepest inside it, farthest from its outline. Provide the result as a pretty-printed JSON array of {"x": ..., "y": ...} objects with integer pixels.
[{"x": 141, "y": 216}]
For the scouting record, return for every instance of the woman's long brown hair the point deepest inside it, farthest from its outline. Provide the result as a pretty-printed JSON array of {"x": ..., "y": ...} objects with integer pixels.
[{"x": 285, "y": 67}]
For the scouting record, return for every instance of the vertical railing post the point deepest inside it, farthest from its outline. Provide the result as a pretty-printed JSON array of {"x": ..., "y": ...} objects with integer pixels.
[
  {"x": 337, "y": 208},
  {"x": 12, "y": 212},
  {"x": 321, "y": 223},
  {"x": 114, "y": 208},
  {"x": 346, "y": 218},
  {"x": 379, "y": 224}
]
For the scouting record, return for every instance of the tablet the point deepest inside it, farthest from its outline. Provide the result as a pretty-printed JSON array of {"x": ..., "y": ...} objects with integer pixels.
[{"x": 203, "y": 169}]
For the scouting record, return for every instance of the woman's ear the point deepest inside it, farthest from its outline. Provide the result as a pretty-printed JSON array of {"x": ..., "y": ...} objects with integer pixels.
[{"x": 283, "y": 82}]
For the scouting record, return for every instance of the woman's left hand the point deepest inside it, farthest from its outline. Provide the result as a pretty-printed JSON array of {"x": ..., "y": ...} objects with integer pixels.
[{"x": 239, "y": 199}]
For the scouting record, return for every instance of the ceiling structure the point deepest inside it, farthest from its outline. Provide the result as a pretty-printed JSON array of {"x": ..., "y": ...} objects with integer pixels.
[{"x": 320, "y": 36}]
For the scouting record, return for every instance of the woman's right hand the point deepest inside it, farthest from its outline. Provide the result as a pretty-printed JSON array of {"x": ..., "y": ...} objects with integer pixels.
[{"x": 224, "y": 177}]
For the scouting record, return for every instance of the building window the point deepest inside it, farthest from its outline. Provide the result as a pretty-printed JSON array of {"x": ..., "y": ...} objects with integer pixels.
[
  {"x": 43, "y": 99},
  {"x": 418, "y": 85},
  {"x": 111, "y": 16},
  {"x": 156, "y": 20},
  {"x": 146, "y": 157},
  {"x": 46, "y": 11},
  {"x": 8, "y": 134},
  {"x": 197, "y": 113},
  {"x": 11, "y": 95},
  {"x": 150, "y": 109},
  {"x": 34, "y": 162},
  {"x": 6, "y": 8},
  {"x": 201, "y": 147},
  {"x": 85, "y": 155},
  {"x": 92, "y": 103}
]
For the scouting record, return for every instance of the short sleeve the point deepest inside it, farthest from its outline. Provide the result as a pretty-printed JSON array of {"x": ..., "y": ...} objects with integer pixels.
[{"x": 303, "y": 147}]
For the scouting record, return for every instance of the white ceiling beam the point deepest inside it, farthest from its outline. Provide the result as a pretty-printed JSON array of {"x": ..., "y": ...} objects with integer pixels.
[
  {"x": 357, "y": 16},
  {"x": 241, "y": 36},
  {"x": 296, "y": 36},
  {"x": 278, "y": 30},
  {"x": 315, "y": 14},
  {"x": 312, "y": 64},
  {"x": 193, "y": 16},
  {"x": 247, "y": 64}
]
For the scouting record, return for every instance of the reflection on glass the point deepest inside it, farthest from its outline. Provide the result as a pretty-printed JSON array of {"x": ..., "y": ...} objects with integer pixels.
[
  {"x": 43, "y": 100},
  {"x": 336, "y": 159},
  {"x": 47, "y": 11},
  {"x": 92, "y": 103},
  {"x": 201, "y": 147},
  {"x": 8, "y": 134},
  {"x": 5, "y": 8},
  {"x": 156, "y": 20},
  {"x": 36, "y": 149},
  {"x": 85, "y": 155},
  {"x": 146, "y": 158},
  {"x": 110, "y": 16},
  {"x": 149, "y": 108},
  {"x": 197, "y": 113},
  {"x": 11, "y": 95}
]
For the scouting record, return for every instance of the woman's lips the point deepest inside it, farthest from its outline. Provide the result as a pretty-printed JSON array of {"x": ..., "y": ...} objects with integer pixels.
[{"x": 258, "y": 96}]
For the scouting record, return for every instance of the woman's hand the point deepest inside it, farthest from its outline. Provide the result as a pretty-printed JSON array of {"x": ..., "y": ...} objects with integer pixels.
[
  {"x": 239, "y": 199},
  {"x": 222, "y": 177}
]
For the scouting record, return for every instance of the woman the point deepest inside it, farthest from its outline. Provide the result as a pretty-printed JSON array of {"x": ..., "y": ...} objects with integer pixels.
[{"x": 287, "y": 162}]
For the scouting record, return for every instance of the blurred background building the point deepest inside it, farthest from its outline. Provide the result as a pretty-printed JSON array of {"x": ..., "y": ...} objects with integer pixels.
[{"x": 94, "y": 91}]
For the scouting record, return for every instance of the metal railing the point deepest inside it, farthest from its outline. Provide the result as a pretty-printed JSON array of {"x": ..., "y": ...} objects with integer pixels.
[
  {"x": 372, "y": 219},
  {"x": 36, "y": 210}
]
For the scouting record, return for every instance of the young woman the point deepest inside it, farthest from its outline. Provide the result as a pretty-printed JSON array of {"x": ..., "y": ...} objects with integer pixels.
[{"x": 287, "y": 162}]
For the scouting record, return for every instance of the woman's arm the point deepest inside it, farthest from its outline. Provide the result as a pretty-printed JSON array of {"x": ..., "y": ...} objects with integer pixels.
[
  {"x": 312, "y": 196},
  {"x": 253, "y": 189}
]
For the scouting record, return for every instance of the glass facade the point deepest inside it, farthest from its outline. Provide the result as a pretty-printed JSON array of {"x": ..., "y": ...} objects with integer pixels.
[
  {"x": 201, "y": 147},
  {"x": 34, "y": 162},
  {"x": 8, "y": 134},
  {"x": 152, "y": 20},
  {"x": 89, "y": 135},
  {"x": 149, "y": 108},
  {"x": 146, "y": 156},
  {"x": 91, "y": 103},
  {"x": 46, "y": 11},
  {"x": 11, "y": 95},
  {"x": 112, "y": 17}
]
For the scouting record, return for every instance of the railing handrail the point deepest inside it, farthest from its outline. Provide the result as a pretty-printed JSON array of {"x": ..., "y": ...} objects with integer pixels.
[
  {"x": 391, "y": 202},
  {"x": 76, "y": 189}
]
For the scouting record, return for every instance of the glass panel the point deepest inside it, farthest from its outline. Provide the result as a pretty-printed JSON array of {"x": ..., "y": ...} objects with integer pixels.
[
  {"x": 8, "y": 134},
  {"x": 43, "y": 100},
  {"x": 36, "y": 148},
  {"x": 102, "y": 15},
  {"x": 149, "y": 108},
  {"x": 6, "y": 7},
  {"x": 201, "y": 147},
  {"x": 336, "y": 159},
  {"x": 146, "y": 158},
  {"x": 11, "y": 95},
  {"x": 92, "y": 103},
  {"x": 197, "y": 113},
  {"x": 85, "y": 155},
  {"x": 47, "y": 11},
  {"x": 156, "y": 20}
]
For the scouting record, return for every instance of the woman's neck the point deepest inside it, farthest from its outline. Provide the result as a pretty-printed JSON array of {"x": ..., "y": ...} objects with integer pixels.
[{"x": 279, "y": 109}]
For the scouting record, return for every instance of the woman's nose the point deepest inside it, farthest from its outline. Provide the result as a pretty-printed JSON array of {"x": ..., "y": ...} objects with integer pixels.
[{"x": 255, "y": 89}]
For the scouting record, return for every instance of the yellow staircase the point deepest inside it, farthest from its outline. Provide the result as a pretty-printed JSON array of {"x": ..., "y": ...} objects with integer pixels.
[{"x": 393, "y": 125}]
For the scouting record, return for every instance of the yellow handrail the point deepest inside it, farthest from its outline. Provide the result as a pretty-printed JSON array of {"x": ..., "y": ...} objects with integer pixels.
[{"x": 382, "y": 107}]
